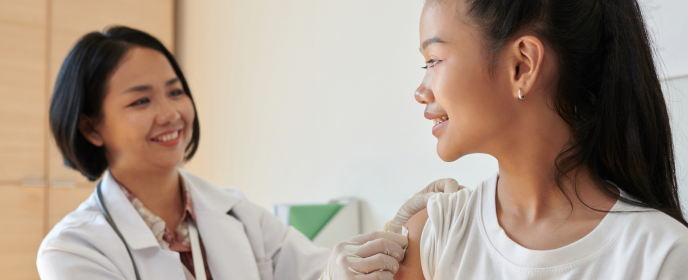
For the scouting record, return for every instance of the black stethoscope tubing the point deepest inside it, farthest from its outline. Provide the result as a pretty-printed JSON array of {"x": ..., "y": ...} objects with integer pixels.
[{"x": 99, "y": 198}]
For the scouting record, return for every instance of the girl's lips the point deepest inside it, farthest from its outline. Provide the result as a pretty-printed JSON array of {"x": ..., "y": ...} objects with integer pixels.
[
  {"x": 438, "y": 119},
  {"x": 439, "y": 126}
]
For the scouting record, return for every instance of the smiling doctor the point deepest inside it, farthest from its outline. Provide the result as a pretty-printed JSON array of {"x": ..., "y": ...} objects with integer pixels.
[{"x": 122, "y": 111}]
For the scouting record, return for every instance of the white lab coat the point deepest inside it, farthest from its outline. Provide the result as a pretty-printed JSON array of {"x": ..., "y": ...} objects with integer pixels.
[{"x": 84, "y": 246}]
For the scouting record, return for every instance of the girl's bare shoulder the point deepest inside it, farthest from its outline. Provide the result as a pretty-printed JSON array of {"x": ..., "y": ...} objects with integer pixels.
[{"x": 410, "y": 267}]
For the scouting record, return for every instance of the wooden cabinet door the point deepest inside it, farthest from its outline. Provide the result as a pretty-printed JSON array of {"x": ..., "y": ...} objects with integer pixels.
[
  {"x": 22, "y": 90},
  {"x": 21, "y": 217},
  {"x": 63, "y": 200}
]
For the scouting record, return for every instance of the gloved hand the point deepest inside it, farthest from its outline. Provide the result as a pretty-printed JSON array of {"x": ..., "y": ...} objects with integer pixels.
[
  {"x": 446, "y": 185},
  {"x": 373, "y": 255},
  {"x": 419, "y": 202}
]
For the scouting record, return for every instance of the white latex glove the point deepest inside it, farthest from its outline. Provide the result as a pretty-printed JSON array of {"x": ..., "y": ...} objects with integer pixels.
[
  {"x": 419, "y": 202},
  {"x": 373, "y": 255}
]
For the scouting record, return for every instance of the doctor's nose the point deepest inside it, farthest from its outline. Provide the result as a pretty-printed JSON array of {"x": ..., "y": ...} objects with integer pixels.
[
  {"x": 424, "y": 95},
  {"x": 167, "y": 113}
]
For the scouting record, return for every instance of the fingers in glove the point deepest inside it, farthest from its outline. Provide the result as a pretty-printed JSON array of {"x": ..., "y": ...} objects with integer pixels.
[
  {"x": 377, "y": 275},
  {"x": 373, "y": 263},
  {"x": 395, "y": 224},
  {"x": 363, "y": 238},
  {"x": 446, "y": 185},
  {"x": 412, "y": 206},
  {"x": 379, "y": 246}
]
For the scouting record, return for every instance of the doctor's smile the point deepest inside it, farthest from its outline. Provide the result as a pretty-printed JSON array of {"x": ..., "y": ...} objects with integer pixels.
[{"x": 168, "y": 139}]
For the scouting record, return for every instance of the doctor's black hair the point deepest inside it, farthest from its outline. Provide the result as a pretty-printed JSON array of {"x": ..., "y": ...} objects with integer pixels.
[
  {"x": 81, "y": 87},
  {"x": 607, "y": 90}
]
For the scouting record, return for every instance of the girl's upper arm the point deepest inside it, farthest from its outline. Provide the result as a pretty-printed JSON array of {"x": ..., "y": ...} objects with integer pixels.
[{"x": 410, "y": 267}]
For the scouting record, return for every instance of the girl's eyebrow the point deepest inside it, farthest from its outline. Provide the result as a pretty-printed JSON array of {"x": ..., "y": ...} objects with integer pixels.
[{"x": 433, "y": 40}]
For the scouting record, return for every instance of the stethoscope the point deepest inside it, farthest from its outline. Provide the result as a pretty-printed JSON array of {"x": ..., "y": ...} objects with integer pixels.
[
  {"x": 193, "y": 234},
  {"x": 106, "y": 213}
]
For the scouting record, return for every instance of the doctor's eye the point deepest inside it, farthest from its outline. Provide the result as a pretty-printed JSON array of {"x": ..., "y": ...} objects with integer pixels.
[
  {"x": 140, "y": 102},
  {"x": 432, "y": 61},
  {"x": 177, "y": 92}
]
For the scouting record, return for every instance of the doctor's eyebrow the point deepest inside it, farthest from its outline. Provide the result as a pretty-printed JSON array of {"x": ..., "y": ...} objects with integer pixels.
[
  {"x": 148, "y": 87},
  {"x": 433, "y": 40},
  {"x": 172, "y": 81},
  {"x": 138, "y": 88}
]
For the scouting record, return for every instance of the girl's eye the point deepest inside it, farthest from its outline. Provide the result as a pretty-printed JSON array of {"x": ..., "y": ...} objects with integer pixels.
[
  {"x": 176, "y": 92},
  {"x": 140, "y": 101},
  {"x": 432, "y": 61}
]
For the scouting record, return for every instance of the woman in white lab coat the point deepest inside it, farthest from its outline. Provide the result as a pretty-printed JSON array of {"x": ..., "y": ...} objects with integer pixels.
[{"x": 122, "y": 111}]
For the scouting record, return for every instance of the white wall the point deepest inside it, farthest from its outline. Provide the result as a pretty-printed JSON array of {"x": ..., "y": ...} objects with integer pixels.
[
  {"x": 668, "y": 25},
  {"x": 676, "y": 92},
  {"x": 305, "y": 100}
]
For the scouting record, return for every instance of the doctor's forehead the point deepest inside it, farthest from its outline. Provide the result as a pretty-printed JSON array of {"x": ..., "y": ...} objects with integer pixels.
[{"x": 141, "y": 67}]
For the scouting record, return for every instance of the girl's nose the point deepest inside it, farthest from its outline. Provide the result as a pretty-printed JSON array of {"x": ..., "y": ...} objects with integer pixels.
[{"x": 424, "y": 94}]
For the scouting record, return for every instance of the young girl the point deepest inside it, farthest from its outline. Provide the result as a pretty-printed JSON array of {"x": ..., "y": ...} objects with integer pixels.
[{"x": 566, "y": 96}]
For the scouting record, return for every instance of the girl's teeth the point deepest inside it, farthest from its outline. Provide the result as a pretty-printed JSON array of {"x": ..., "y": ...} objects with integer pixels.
[{"x": 439, "y": 120}]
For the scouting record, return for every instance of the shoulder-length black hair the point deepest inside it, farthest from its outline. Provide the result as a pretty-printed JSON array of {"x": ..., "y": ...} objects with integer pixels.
[
  {"x": 607, "y": 90},
  {"x": 81, "y": 87}
]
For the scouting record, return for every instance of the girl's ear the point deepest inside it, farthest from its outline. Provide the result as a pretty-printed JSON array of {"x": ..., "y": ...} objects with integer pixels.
[
  {"x": 527, "y": 52},
  {"x": 87, "y": 127}
]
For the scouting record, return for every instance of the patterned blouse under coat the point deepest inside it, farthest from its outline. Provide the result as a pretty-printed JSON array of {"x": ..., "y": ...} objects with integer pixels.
[{"x": 177, "y": 240}]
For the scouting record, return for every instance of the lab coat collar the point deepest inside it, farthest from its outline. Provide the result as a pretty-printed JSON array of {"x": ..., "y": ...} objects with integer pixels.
[
  {"x": 227, "y": 246},
  {"x": 206, "y": 198},
  {"x": 135, "y": 231}
]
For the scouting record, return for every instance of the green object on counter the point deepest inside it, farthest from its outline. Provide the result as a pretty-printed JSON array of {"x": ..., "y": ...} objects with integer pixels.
[{"x": 310, "y": 219}]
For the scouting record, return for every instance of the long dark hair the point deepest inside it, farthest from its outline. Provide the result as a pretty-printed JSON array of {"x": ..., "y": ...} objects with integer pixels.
[
  {"x": 80, "y": 90},
  {"x": 607, "y": 90}
]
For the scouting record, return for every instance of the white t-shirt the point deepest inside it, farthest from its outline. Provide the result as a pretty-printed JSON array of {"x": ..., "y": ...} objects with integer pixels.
[{"x": 462, "y": 240}]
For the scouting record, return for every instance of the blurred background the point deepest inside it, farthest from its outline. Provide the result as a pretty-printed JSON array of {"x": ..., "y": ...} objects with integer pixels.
[{"x": 299, "y": 102}]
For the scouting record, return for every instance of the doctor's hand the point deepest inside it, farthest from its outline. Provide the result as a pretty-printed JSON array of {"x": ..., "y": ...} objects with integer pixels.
[
  {"x": 420, "y": 201},
  {"x": 373, "y": 255}
]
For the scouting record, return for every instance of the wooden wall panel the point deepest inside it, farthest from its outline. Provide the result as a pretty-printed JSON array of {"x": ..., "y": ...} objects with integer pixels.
[
  {"x": 22, "y": 222},
  {"x": 36, "y": 36},
  {"x": 22, "y": 89},
  {"x": 62, "y": 201}
]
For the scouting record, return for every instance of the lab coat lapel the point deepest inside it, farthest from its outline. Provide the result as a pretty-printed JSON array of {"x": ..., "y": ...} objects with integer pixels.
[
  {"x": 228, "y": 250},
  {"x": 152, "y": 262},
  {"x": 125, "y": 216}
]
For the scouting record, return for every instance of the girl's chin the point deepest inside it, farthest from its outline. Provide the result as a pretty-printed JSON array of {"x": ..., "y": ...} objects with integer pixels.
[
  {"x": 449, "y": 151},
  {"x": 445, "y": 155}
]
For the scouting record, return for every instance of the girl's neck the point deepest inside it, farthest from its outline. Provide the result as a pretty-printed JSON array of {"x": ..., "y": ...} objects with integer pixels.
[
  {"x": 527, "y": 187},
  {"x": 533, "y": 194},
  {"x": 158, "y": 190}
]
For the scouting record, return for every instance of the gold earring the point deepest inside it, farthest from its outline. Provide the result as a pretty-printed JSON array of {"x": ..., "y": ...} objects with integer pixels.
[{"x": 519, "y": 94}]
